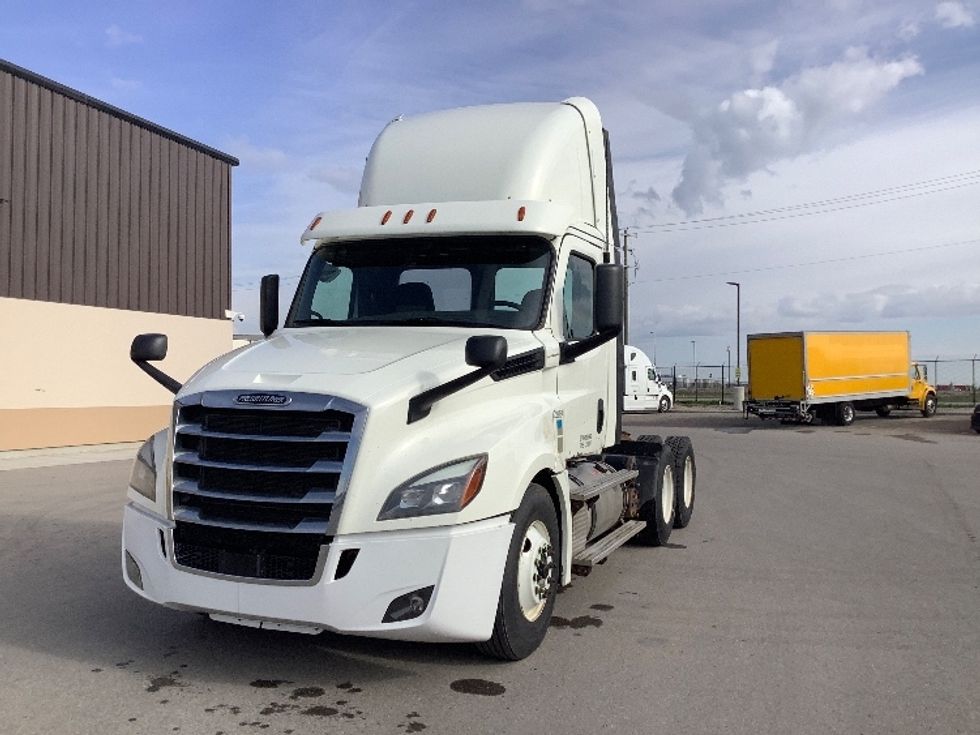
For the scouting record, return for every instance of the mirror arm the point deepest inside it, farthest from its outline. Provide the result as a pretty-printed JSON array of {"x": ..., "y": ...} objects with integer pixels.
[
  {"x": 420, "y": 405},
  {"x": 571, "y": 350},
  {"x": 158, "y": 375}
]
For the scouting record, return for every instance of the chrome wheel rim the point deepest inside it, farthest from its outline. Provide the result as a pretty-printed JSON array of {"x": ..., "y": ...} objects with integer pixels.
[
  {"x": 535, "y": 565},
  {"x": 667, "y": 494},
  {"x": 688, "y": 481}
]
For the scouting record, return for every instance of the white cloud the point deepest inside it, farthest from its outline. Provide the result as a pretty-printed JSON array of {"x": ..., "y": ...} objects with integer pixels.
[
  {"x": 125, "y": 85},
  {"x": 649, "y": 195},
  {"x": 257, "y": 157},
  {"x": 954, "y": 14},
  {"x": 763, "y": 57},
  {"x": 116, "y": 36},
  {"x": 340, "y": 177},
  {"x": 757, "y": 127},
  {"x": 909, "y": 30},
  {"x": 886, "y": 302}
]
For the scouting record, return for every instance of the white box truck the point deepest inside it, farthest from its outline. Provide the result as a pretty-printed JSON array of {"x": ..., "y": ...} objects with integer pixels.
[
  {"x": 645, "y": 389},
  {"x": 431, "y": 443}
]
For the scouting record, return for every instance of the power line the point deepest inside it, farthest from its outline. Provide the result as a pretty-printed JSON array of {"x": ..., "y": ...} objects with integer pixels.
[
  {"x": 824, "y": 202},
  {"x": 813, "y": 262},
  {"x": 820, "y": 207}
]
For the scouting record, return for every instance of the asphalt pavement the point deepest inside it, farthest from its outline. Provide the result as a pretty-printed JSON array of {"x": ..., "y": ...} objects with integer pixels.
[{"x": 829, "y": 582}]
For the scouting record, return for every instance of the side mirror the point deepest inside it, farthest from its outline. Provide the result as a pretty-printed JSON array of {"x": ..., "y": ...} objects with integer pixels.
[
  {"x": 486, "y": 352},
  {"x": 609, "y": 295},
  {"x": 269, "y": 304},
  {"x": 148, "y": 347}
]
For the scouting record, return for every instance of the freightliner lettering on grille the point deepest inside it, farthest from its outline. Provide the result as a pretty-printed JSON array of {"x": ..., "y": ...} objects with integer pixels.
[{"x": 254, "y": 483}]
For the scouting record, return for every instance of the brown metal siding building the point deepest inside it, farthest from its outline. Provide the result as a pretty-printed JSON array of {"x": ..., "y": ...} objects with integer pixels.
[
  {"x": 103, "y": 208},
  {"x": 100, "y": 208}
]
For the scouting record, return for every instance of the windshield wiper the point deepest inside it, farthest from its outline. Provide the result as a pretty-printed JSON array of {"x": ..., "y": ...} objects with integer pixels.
[
  {"x": 315, "y": 322},
  {"x": 434, "y": 320}
]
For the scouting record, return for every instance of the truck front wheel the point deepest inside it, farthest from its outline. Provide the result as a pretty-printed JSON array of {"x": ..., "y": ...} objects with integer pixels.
[
  {"x": 527, "y": 594},
  {"x": 929, "y": 407},
  {"x": 664, "y": 406}
]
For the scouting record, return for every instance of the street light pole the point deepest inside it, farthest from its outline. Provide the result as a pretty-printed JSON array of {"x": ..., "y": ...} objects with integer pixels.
[
  {"x": 694, "y": 356},
  {"x": 738, "y": 330}
]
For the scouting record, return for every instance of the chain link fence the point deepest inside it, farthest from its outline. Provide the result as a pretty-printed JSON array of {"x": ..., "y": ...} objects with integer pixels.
[
  {"x": 708, "y": 384},
  {"x": 955, "y": 379}
]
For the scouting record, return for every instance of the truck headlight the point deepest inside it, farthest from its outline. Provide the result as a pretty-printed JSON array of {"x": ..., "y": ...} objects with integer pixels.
[
  {"x": 445, "y": 489},
  {"x": 144, "y": 476}
]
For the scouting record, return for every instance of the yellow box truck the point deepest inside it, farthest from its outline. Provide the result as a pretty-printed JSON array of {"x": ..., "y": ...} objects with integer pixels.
[{"x": 799, "y": 376}]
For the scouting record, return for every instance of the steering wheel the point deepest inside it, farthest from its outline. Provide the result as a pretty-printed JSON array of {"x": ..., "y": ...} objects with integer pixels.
[
  {"x": 317, "y": 314},
  {"x": 511, "y": 304}
]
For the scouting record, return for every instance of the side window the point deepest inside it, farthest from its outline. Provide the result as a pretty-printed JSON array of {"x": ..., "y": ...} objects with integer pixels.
[
  {"x": 652, "y": 374},
  {"x": 331, "y": 300},
  {"x": 577, "y": 301}
]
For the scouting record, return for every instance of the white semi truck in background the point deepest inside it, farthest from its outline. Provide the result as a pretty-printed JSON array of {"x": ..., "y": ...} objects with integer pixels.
[
  {"x": 431, "y": 443},
  {"x": 645, "y": 389}
]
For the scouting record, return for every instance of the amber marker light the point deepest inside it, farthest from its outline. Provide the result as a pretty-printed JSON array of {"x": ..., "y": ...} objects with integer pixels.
[
  {"x": 521, "y": 214},
  {"x": 315, "y": 222},
  {"x": 474, "y": 484},
  {"x": 432, "y": 215},
  {"x": 408, "y": 216},
  {"x": 386, "y": 217}
]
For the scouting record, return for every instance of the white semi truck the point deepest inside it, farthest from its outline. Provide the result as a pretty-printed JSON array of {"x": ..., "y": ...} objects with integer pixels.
[
  {"x": 644, "y": 389},
  {"x": 431, "y": 443}
]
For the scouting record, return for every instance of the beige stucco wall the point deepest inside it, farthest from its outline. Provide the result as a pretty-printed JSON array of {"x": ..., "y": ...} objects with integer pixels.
[{"x": 67, "y": 378}]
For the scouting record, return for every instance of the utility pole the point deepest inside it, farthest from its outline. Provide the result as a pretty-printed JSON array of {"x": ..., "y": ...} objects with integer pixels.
[
  {"x": 626, "y": 285},
  {"x": 738, "y": 330},
  {"x": 694, "y": 357}
]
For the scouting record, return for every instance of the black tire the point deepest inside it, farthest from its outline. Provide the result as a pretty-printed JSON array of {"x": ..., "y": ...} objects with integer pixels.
[
  {"x": 883, "y": 411},
  {"x": 929, "y": 408},
  {"x": 650, "y": 439},
  {"x": 845, "y": 413},
  {"x": 685, "y": 478},
  {"x": 664, "y": 405},
  {"x": 515, "y": 636},
  {"x": 657, "y": 480}
]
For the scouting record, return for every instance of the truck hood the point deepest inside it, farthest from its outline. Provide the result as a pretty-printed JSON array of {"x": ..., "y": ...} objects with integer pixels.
[
  {"x": 335, "y": 350},
  {"x": 367, "y": 365}
]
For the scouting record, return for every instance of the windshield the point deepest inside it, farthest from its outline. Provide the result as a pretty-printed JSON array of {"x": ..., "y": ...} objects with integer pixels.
[{"x": 483, "y": 281}]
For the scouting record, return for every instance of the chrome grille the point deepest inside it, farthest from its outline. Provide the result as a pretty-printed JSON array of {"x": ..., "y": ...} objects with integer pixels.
[{"x": 254, "y": 486}]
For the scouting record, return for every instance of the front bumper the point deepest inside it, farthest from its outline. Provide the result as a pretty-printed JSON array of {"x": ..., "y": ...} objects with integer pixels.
[{"x": 464, "y": 563}]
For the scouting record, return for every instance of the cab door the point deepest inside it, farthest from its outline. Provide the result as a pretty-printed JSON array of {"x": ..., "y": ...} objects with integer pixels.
[
  {"x": 634, "y": 389},
  {"x": 583, "y": 383}
]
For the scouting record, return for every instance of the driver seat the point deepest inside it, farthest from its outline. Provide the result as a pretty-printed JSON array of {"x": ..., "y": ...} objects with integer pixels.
[{"x": 413, "y": 297}]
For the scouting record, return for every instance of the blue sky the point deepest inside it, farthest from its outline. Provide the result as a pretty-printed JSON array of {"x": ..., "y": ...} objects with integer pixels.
[{"x": 715, "y": 109}]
